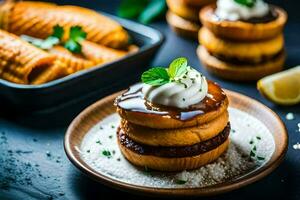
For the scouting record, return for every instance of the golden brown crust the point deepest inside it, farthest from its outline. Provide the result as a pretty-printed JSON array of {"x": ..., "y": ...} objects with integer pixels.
[
  {"x": 166, "y": 122},
  {"x": 37, "y": 19},
  {"x": 173, "y": 164},
  {"x": 181, "y": 9},
  {"x": 55, "y": 71},
  {"x": 99, "y": 53},
  {"x": 73, "y": 62},
  {"x": 198, "y": 3},
  {"x": 238, "y": 30},
  {"x": 237, "y": 72},
  {"x": 175, "y": 137},
  {"x": 252, "y": 52},
  {"x": 182, "y": 26},
  {"x": 20, "y": 59}
]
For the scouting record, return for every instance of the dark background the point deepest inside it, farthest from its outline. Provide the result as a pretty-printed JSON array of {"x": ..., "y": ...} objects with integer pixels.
[{"x": 33, "y": 164}]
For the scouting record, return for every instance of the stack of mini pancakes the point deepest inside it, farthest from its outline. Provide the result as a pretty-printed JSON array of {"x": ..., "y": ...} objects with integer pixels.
[
  {"x": 183, "y": 16},
  {"x": 170, "y": 139},
  {"x": 242, "y": 50}
]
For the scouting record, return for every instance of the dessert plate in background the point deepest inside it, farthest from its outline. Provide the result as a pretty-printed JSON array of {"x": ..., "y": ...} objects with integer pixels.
[{"x": 258, "y": 145}]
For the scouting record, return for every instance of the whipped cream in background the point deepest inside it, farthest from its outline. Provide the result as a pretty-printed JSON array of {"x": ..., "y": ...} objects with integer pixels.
[
  {"x": 187, "y": 90},
  {"x": 233, "y": 11}
]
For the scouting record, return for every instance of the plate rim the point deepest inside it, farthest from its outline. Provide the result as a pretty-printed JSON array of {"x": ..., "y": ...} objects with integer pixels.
[{"x": 220, "y": 188}]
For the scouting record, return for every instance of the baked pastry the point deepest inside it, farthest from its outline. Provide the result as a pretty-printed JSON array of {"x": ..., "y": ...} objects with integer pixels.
[
  {"x": 242, "y": 40},
  {"x": 198, "y": 3},
  {"x": 24, "y": 63},
  {"x": 238, "y": 71},
  {"x": 241, "y": 52},
  {"x": 37, "y": 19},
  {"x": 183, "y": 27},
  {"x": 175, "y": 120},
  {"x": 183, "y": 10},
  {"x": 252, "y": 29},
  {"x": 183, "y": 16}
]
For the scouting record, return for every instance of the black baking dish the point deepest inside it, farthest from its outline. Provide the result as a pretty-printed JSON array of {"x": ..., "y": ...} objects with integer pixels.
[{"x": 109, "y": 77}]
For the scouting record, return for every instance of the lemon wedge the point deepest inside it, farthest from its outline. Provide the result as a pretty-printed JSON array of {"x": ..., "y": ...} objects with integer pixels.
[{"x": 282, "y": 88}]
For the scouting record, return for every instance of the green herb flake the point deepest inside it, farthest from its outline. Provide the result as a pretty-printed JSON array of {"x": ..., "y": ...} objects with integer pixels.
[
  {"x": 76, "y": 36},
  {"x": 98, "y": 142},
  {"x": 112, "y": 126},
  {"x": 119, "y": 159},
  {"x": 106, "y": 153},
  {"x": 58, "y": 32},
  {"x": 252, "y": 154},
  {"x": 110, "y": 137},
  {"x": 258, "y": 137},
  {"x": 260, "y": 158},
  {"x": 88, "y": 151},
  {"x": 101, "y": 128},
  {"x": 254, "y": 148},
  {"x": 247, "y": 3},
  {"x": 251, "y": 142},
  {"x": 180, "y": 182}
]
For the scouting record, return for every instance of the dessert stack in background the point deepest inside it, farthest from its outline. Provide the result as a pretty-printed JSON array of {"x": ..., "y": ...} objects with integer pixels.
[
  {"x": 183, "y": 16},
  {"x": 242, "y": 42}
]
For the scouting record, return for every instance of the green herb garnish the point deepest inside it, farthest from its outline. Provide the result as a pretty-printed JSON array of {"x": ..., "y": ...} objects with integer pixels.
[
  {"x": 77, "y": 35},
  {"x": 73, "y": 44},
  {"x": 98, "y": 142},
  {"x": 260, "y": 158},
  {"x": 49, "y": 42},
  {"x": 106, "y": 153},
  {"x": 145, "y": 11},
  {"x": 252, "y": 154},
  {"x": 180, "y": 182},
  {"x": 159, "y": 76},
  {"x": 248, "y": 3}
]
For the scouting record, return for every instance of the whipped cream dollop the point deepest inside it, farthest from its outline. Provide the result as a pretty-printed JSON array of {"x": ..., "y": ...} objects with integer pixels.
[
  {"x": 233, "y": 11},
  {"x": 185, "y": 91}
]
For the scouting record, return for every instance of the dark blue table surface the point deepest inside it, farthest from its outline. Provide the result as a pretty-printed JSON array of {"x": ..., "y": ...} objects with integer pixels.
[{"x": 33, "y": 164}]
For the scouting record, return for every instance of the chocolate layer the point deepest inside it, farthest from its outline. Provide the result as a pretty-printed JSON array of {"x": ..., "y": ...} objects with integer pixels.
[
  {"x": 133, "y": 101},
  {"x": 271, "y": 16},
  {"x": 238, "y": 61},
  {"x": 174, "y": 152}
]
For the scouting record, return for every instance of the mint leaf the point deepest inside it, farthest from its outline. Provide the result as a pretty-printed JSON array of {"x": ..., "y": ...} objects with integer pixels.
[
  {"x": 156, "y": 76},
  {"x": 153, "y": 10},
  {"x": 58, "y": 32},
  {"x": 248, "y": 3},
  {"x": 178, "y": 67},
  {"x": 131, "y": 8}
]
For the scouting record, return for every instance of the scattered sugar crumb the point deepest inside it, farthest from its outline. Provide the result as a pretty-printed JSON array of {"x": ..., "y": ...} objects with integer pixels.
[
  {"x": 235, "y": 162},
  {"x": 290, "y": 116},
  {"x": 296, "y": 146}
]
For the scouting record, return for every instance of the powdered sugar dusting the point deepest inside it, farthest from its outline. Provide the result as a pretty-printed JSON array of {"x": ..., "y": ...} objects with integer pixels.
[{"x": 251, "y": 146}]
